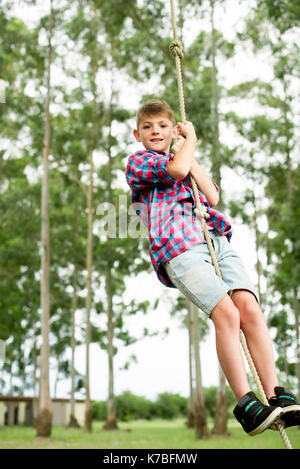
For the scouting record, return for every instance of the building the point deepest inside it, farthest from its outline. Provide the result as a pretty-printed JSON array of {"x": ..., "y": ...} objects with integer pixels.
[{"x": 20, "y": 410}]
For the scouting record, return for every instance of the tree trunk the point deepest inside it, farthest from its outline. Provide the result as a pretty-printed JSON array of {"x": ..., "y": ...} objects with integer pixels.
[
  {"x": 73, "y": 421},
  {"x": 44, "y": 418},
  {"x": 94, "y": 69},
  {"x": 200, "y": 411},
  {"x": 220, "y": 426},
  {"x": 191, "y": 404},
  {"x": 215, "y": 156},
  {"x": 34, "y": 361},
  {"x": 88, "y": 407},
  {"x": 111, "y": 415}
]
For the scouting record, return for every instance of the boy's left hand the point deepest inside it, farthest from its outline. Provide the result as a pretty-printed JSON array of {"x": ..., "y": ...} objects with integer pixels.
[{"x": 177, "y": 144}]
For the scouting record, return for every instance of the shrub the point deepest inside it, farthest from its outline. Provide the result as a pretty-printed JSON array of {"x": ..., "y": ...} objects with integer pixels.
[
  {"x": 167, "y": 405},
  {"x": 129, "y": 407},
  {"x": 99, "y": 410},
  {"x": 210, "y": 395},
  {"x": 170, "y": 405}
]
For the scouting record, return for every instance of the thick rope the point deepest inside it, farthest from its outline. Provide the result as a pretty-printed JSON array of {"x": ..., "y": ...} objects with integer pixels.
[{"x": 177, "y": 52}]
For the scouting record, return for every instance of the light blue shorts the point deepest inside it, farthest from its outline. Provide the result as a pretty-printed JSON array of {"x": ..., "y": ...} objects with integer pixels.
[{"x": 193, "y": 273}]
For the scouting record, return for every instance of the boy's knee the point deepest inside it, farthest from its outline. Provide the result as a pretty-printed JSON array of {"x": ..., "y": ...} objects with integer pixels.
[
  {"x": 226, "y": 315},
  {"x": 247, "y": 305},
  {"x": 250, "y": 315}
]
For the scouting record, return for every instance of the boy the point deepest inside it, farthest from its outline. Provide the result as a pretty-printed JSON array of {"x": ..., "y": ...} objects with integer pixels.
[{"x": 160, "y": 184}]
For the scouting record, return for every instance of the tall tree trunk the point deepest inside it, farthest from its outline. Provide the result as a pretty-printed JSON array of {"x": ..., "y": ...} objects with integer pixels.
[
  {"x": 44, "y": 419},
  {"x": 94, "y": 69},
  {"x": 89, "y": 260},
  {"x": 200, "y": 411},
  {"x": 73, "y": 423},
  {"x": 220, "y": 426},
  {"x": 34, "y": 360},
  {"x": 111, "y": 417},
  {"x": 191, "y": 404},
  {"x": 215, "y": 156}
]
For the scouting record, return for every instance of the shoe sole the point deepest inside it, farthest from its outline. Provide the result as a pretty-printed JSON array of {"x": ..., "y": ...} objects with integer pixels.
[
  {"x": 267, "y": 423},
  {"x": 290, "y": 415}
]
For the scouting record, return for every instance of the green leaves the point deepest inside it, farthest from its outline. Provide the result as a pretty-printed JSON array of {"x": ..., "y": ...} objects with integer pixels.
[{"x": 285, "y": 13}]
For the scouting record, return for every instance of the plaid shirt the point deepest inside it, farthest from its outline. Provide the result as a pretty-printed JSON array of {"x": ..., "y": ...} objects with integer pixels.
[{"x": 165, "y": 205}]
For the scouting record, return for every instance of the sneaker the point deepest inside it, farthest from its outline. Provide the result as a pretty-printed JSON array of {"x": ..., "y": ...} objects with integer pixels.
[
  {"x": 290, "y": 415},
  {"x": 253, "y": 415}
]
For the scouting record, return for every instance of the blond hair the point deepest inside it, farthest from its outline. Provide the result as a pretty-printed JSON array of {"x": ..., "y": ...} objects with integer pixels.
[{"x": 155, "y": 106}]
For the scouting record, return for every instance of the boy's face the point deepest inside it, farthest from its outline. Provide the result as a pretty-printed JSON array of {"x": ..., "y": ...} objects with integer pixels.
[{"x": 156, "y": 132}]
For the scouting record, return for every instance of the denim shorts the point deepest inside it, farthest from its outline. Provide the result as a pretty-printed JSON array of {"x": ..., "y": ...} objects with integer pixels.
[{"x": 193, "y": 273}]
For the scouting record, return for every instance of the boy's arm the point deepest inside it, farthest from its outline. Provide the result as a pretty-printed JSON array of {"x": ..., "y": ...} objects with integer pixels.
[
  {"x": 146, "y": 169},
  {"x": 204, "y": 183},
  {"x": 180, "y": 165},
  {"x": 184, "y": 162}
]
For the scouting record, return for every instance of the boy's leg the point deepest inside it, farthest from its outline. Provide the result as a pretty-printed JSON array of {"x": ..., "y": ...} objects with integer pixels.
[
  {"x": 258, "y": 339},
  {"x": 254, "y": 416},
  {"x": 194, "y": 275},
  {"x": 225, "y": 317}
]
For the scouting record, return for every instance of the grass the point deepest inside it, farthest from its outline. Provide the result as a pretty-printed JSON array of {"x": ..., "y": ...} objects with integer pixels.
[{"x": 142, "y": 434}]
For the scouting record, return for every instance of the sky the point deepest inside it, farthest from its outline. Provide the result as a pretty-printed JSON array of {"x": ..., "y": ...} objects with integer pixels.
[{"x": 163, "y": 360}]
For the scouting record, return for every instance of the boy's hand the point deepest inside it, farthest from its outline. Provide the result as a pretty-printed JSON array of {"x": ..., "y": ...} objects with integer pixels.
[
  {"x": 187, "y": 130},
  {"x": 177, "y": 144},
  {"x": 184, "y": 148}
]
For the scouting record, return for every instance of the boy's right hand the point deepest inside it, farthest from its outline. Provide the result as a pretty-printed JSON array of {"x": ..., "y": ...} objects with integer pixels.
[
  {"x": 177, "y": 144},
  {"x": 180, "y": 165},
  {"x": 187, "y": 130}
]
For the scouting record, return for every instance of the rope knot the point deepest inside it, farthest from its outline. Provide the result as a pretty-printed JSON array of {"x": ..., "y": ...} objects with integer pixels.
[
  {"x": 176, "y": 49},
  {"x": 201, "y": 211}
]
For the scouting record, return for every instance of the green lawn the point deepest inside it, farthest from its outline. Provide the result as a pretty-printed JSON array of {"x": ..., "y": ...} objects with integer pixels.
[{"x": 142, "y": 434}]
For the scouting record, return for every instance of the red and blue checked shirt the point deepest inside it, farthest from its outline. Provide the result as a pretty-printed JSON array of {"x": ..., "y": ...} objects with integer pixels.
[{"x": 165, "y": 205}]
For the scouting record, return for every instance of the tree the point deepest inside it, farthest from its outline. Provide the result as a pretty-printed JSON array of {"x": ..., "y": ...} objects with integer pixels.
[
  {"x": 89, "y": 258},
  {"x": 86, "y": 31},
  {"x": 285, "y": 13},
  {"x": 199, "y": 403},
  {"x": 220, "y": 426},
  {"x": 19, "y": 199},
  {"x": 44, "y": 419}
]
